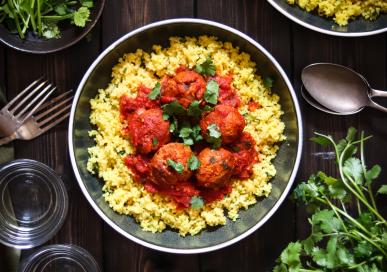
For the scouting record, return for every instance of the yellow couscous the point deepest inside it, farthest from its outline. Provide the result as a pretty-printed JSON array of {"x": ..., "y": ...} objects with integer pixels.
[
  {"x": 155, "y": 212},
  {"x": 342, "y": 11}
]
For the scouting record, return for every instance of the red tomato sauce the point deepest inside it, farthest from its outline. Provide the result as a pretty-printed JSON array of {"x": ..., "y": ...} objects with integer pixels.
[{"x": 185, "y": 87}]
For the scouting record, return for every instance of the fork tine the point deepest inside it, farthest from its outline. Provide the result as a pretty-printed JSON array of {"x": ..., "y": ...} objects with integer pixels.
[
  {"x": 54, "y": 100},
  {"x": 54, "y": 123},
  {"x": 33, "y": 92},
  {"x": 57, "y": 105},
  {"x": 33, "y": 101},
  {"x": 23, "y": 93},
  {"x": 36, "y": 106},
  {"x": 51, "y": 117}
]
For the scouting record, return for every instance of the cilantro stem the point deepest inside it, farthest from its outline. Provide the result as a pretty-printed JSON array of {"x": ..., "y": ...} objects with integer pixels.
[
  {"x": 343, "y": 177},
  {"x": 371, "y": 242},
  {"x": 362, "y": 159},
  {"x": 39, "y": 18}
]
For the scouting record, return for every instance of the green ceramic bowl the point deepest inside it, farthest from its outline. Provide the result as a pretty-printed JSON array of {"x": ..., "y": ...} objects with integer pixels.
[
  {"x": 355, "y": 28},
  {"x": 287, "y": 161}
]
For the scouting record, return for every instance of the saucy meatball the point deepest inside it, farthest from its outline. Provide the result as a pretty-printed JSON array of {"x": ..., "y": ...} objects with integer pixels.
[
  {"x": 229, "y": 121},
  {"x": 185, "y": 87},
  {"x": 148, "y": 130},
  {"x": 216, "y": 167},
  {"x": 245, "y": 154},
  {"x": 166, "y": 175}
]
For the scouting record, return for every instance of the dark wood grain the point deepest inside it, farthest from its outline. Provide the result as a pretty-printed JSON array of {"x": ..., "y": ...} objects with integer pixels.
[{"x": 293, "y": 46}]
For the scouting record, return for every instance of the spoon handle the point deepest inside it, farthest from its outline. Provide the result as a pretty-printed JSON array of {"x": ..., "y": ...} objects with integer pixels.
[
  {"x": 377, "y": 106},
  {"x": 378, "y": 93}
]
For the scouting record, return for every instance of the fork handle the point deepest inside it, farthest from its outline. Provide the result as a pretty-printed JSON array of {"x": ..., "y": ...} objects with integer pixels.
[{"x": 8, "y": 139}]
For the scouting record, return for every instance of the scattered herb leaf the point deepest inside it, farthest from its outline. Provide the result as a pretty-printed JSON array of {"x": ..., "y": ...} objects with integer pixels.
[
  {"x": 177, "y": 166},
  {"x": 206, "y": 68},
  {"x": 193, "y": 163},
  {"x": 155, "y": 92},
  {"x": 197, "y": 202},
  {"x": 212, "y": 92},
  {"x": 268, "y": 82}
]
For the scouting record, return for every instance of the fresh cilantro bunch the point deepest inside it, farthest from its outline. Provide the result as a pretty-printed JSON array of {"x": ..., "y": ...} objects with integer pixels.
[
  {"x": 340, "y": 239},
  {"x": 43, "y": 16}
]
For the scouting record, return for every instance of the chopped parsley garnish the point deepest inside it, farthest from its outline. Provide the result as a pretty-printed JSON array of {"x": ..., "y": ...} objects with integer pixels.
[
  {"x": 155, "y": 141},
  {"x": 212, "y": 92},
  {"x": 214, "y": 135},
  {"x": 122, "y": 152},
  {"x": 193, "y": 163},
  {"x": 268, "y": 82},
  {"x": 207, "y": 68},
  {"x": 197, "y": 202},
  {"x": 155, "y": 92},
  {"x": 177, "y": 166}
]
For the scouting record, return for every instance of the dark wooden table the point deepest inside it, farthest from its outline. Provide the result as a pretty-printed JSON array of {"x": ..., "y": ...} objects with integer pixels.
[{"x": 292, "y": 45}]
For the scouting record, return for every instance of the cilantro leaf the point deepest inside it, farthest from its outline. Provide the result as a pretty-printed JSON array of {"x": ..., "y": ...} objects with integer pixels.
[
  {"x": 291, "y": 254},
  {"x": 185, "y": 132},
  {"x": 372, "y": 174},
  {"x": 177, "y": 166},
  {"x": 173, "y": 108},
  {"x": 352, "y": 167},
  {"x": 351, "y": 134},
  {"x": 87, "y": 3},
  {"x": 321, "y": 140},
  {"x": 155, "y": 92},
  {"x": 193, "y": 163},
  {"x": 212, "y": 92},
  {"x": 61, "y": 9},
  {"x": 383, "y": 190},
  {"x": 188, "y": 141},
  {"x": 327, "y": 221},
  {"x": 81, "y": 16},
  {"x": 155, "y": 142},
  {"x": 268, "y": 82},
  {"x": 196, "y": 202},
  {"x": 194, "y": 109},
  {"x": 214, "y": 135},
  {"x": 50, "y": 31},
  {"x": 206, "y": 68}
]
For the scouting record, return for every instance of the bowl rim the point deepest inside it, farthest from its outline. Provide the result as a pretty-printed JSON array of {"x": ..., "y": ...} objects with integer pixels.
[
  {"x": 318, "y": 29},
  {"x": 89, "y": 26},
  {"x": 169, "y": 249}
]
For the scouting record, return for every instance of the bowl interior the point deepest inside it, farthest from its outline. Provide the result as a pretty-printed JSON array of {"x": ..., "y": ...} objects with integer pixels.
[
  {"x": 70, "y": 34},
  {"x": 356, "y": 27},
  {"x": 99, "y": 77}
]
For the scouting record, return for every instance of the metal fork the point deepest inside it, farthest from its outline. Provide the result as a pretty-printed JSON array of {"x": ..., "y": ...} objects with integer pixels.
[
  {"x": 46, "y": 116},
  {"x": 19, "y": 109}
]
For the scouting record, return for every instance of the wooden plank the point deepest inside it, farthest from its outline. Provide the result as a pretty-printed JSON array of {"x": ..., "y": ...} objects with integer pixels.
[
  {"x": 121, "y": 254},
  {"x": 65, "y": 69},
  {"x": 260, "y": 21},
  {"x": 366, "y": 55}
]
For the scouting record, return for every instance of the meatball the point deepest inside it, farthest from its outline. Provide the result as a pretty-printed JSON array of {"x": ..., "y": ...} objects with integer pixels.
[
  {"x": 163, "y": 173},
  {"x": 229, "y": 121},
  {"x": 216, "y": 167},
  {"x": 185, "y": 87},
  {"x": 148, "y": 130}
]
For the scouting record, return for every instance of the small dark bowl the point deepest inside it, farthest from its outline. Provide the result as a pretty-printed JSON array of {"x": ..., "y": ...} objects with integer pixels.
[
  {"x": 70, "y": 35},
  {"x": 355, "y": 28},
  {"x": 287, "y": 160}
]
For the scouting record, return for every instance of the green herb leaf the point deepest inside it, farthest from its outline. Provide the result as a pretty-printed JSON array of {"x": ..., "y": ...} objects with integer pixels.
[
  {"x": 155, "y": 142},
  {"x": 214, "y": 135},
  {"x": 372, "y": 174},
  {"x": 193, "y": 163},
  {"x": 81, "y": 16},
  {"x": 177, "y": 166},
  {"x": 207, "y": 68},
  {"x": 212, "y": 92},
  {"x": 61, "y": 9},
  {"x": 155, "y": 92},
  {"x": 87, "y": 3},
  {"x": 268, "y": 82},
  {"x": 383, "y": 190},
  {"x": 197, "y": 202},
  {"x": 327, "y": 221},
  {"x": 291, "y": 255},
  {"x": 50, "y": 31},
  {"x": 185, "y": 132},
  {"x": 352, "y": 167},
  {"x": 351, "y": 134},
  {"x": 194, "y": 109},
  {"x": 321, "y": 140},
  {"x": 173, "y": 108}
]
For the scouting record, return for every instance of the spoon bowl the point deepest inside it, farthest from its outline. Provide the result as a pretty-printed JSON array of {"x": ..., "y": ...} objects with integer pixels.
[{"x": 337, "y": 89}]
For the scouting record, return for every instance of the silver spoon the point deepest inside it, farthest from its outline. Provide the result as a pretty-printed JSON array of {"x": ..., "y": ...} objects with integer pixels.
[{"x": 337, "y": 89}]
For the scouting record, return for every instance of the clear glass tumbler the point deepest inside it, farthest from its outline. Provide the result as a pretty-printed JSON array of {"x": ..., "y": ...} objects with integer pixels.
[{"x": 33, "y": 203}]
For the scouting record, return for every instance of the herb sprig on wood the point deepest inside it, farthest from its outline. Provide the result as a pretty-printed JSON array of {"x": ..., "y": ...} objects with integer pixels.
[{"x": 340, "y": 240}]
